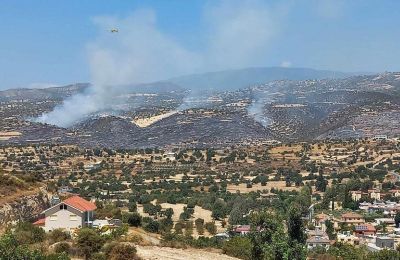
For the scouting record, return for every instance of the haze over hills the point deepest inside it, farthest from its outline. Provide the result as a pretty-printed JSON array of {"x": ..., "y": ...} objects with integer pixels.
[
  {"x": 160, "y": 114},
  {"x": 218, "y": 80},
  {"x": 239, "y": 78}
]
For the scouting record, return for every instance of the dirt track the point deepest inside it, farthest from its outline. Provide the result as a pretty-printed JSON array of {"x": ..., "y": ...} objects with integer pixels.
[{"x": 167, "y": 253}]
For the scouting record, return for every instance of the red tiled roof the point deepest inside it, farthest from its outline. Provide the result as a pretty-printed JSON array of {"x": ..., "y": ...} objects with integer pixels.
[
  {"x": 365, "y": 228},
  {"x": 244, "y": 228},
  {"x": 321, "y": 216},
  {"x": 351, "y": 215},
  {"x": 80, "y": 203},
  {"x": 39, "y": 222}
]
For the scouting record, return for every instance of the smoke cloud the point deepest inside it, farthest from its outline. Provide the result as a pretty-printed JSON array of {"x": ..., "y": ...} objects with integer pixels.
[
  {"x": 257, "y": 108},
  {"x": 238, "y": 34}
]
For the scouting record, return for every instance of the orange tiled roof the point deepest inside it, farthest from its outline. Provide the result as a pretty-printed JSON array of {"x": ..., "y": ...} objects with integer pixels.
[
  {"x": 39, "y": 222},
  {"x": 80, "y": 203},
  {"x": 365, "y": 227},
  {"x": 321, "y": 216},
  {"x": 351, "y": 215}
]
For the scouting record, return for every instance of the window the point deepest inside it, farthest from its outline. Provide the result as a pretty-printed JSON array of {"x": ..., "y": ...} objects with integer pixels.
[
  {"x": 73, "y": 217},
  {"x": 63, "y": 206},
  {"x": 53, "y": 217}
]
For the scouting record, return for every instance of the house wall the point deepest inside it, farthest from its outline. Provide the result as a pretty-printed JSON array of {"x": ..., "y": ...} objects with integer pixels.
[{"x": 63, "y": 218}]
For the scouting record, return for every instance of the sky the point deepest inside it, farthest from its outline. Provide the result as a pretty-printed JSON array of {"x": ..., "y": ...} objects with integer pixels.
[{"x": 49, "y": 43}]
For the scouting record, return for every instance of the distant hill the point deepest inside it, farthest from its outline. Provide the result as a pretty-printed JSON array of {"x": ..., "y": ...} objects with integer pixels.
[
  {"x": 219, "y": 81},
  {"x": 235, "y": 79},
  {"x": 42, "y": 94}
]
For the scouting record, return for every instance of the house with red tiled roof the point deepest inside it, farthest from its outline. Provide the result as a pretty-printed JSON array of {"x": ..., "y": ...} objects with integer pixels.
[
  {"x": 72, "y": 213},
  {"x": 352, "y": 218},
  {"x": 365, "y": 229},
  {"x": 242, "y": 229}
]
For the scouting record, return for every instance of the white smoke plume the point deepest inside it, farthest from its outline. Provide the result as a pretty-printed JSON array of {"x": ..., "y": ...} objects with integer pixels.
[
  {"x": 238, "y": 35},
  {"x": 257, "y": 109}
]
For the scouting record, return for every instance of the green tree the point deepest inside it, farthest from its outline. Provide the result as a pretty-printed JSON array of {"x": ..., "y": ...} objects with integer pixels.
[
  {"x": 330, "y": 229},
  {"x": 219, "y": 209},
  {"x": 27, "y": 233},
  {"x": 397, "y": 219},
  {"x": 295, "y": 225},
  {"x": 384, "y": 254},
  {"x": 239, "y": 247},
  {"x": 169, "y": 212},
  {"x": 189, "y": 229},
  {"x": 132, "y": 206},
  {"x": 62, "y": 247},
  {"x": 199, "y": 222},
  {"x": 88, "y": 241},
  {"x": 211, "y": 227},
  {"x": 321, "y": 183},
  {"x": 134, "y": 219},
  {"x": 11, "y": 249},
  {"x": 270, "y": 241},
  {"x": 57, "y": 235}
]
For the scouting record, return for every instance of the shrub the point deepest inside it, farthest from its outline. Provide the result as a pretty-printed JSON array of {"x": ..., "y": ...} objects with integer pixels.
[
  {"x": 62, "y": 256},
  {"x": 89, "y": 241},
  {"x": 134, "y": 220},
  {"x": 62, "y": 247},
  {"x": 135, "y": 238},
  {"x": 120, "y": 251},
  {"x": 58, "y": 235},
  {"x": 27, "y": 233},
  {"x": 98, "y": 256},
  {"x": 238, "y": 247},
  {"x": 11, "y": 249},
  {"x": 211, "y": 228},
  {"x": 152, "y": 226}
]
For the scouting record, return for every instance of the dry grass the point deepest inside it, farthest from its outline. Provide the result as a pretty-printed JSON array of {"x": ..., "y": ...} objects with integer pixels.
[
  {"x": 167, "y": 253},
  {"x": 280, "y": 185},
  {"x": 145, "y": 122}
]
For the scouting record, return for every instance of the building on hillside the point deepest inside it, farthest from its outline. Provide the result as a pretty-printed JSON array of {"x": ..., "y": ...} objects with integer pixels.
[
  {"x": 356, "y": 195},
  {"x": 348, "y": 238},
  {"x": 375, "y": 194},
  {"x": 380, "y": 137},
  {"x": 170, "y": 156},
  {"x": 365, "y": 229},
  {"x": 64, "y": 190},
  {"x": 395, "y": 192},
  {"x": 386, "y": 221},
  {"x": 388, "y": 208},
  {"x": 92, "y": 166},
  {"x": 352, "y": 218},
  {"x": 72, "y": 213},
  {"x": 316, "y": 233},
  {"x": 242, "y": 230},
  {"x": 381, "y": 243},
  {"x": 320, "y": 220},
  {"x": 55, "y": 200},
  {"x": 318, "y": 241}
]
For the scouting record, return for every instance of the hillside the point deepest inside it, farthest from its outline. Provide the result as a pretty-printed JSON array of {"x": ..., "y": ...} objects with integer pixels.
[
  {"x": 283, "y": 110},
  {"x": 240, "y": 78}
]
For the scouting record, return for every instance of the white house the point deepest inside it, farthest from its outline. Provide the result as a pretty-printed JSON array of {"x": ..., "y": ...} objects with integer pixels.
[{"x": 72, "y": 213}]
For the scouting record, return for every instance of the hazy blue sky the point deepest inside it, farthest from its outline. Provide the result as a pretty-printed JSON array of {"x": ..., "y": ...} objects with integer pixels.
[{"x": 46, "y": 42}]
